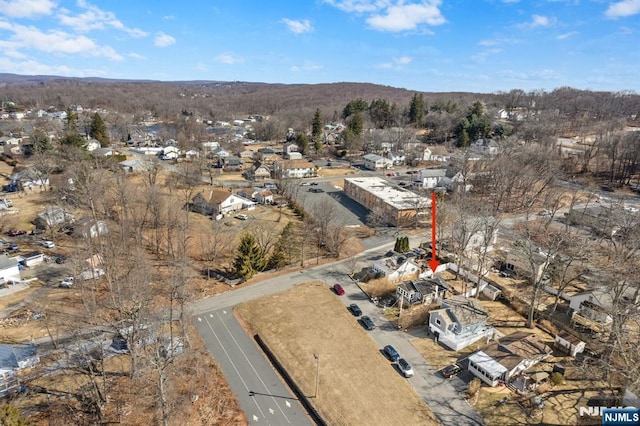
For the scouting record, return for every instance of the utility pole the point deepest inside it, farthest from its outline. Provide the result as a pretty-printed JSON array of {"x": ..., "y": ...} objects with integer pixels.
[{"x": 317, "y": 357}]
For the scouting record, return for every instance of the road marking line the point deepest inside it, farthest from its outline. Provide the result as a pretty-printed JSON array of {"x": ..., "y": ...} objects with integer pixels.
[
  {"x": 255, "y": 418},
  {"x": 199, "y": 319},
  {"x": 287, "y": 403},
  {"x": 271, "y": 411},
  {"x": 253, "y": 368},
  {"x": 234, "y": 366},
  {"x": 224, "y": 312}
]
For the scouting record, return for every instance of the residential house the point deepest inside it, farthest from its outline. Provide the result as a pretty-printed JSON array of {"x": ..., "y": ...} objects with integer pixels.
[
  {"x": 210, "y": 146},
  {"x": 569, "y": 343},
  {"x": 396, "y": 268},
  {"x": 51, "y": 216},
  {"x": 192, "y": 153},
  {"x": 9, "y": 269},
  {"x": 290, "y": 151},
  {"x": 487, "y": 146},
  {"x": 136, "y": 165},
  {"x": 258, "y": 171},
  {"x": 219, "y": 153},
  {"x": 170, "y": 152},
  {"x": 92, "y": 144},
  {"x": 508, "y": 358},
  {"x": 247, "y": 154},
  {"x": 231, "y": 164},
  {"x": 103, "y": 152},
  {"x": 12, "y": 359},
  {"x": 89, "y": 228},
  {"x": 397, "y": 158},
  {"x": 516, "y": 263},
  {"x": 459, "y": 322},
  {"x": 376, "y": 162},
  {"x": 287, "y": 169},
  {"x": 220, "y": 201},
  {"x": 430, "y": 178},
  {"x": 422, "y": 291},
  {"x": 594, "y": 308},
  {"x": 259, "y": 195},
  {"x": 475, "y": 235},
  {"x": 5, "y": 204}
]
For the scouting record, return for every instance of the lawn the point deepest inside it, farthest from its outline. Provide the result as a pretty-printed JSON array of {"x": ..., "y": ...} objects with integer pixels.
[{"x": 357, "y": 384}]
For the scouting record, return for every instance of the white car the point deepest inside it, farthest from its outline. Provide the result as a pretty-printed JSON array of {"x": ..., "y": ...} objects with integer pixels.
[
  {"x": 242, "y": 217},
  {"x": 405, "y": 367},
  {"x": 48, "y": 244},
  {"x": 66, "y": 283}
]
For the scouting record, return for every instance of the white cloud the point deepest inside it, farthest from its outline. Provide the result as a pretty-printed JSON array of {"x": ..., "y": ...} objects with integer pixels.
[
  {"x": 163, "y": 40},
  {"x": 136, "y": 56},
  {"x": 31, "y": 67},
  {"x": 29, "y": 37},
  {"x": 567, "y": 35},
  {"x": 397, "y": 62},
  {"x": 26, "y": 8},
  {"x": 298, "y": 27},
  {"x": 94, "y": 18},
  {"x": 544, "y": 75},
  {"x": 623, "y": 8},
  {"x": 308, "y": 66},
  {"x": 229, "y": 59},
  {"x": 538, "y": 21},
  {"x": 510, "y": 1},
  {"x": 357, "y": 6},
  {"x": 404, "y": 17},
  {"x": 481, "y": 57}
]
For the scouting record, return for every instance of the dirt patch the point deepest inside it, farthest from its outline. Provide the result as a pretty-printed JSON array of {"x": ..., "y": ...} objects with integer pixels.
[{"x": 357, "y": 384}]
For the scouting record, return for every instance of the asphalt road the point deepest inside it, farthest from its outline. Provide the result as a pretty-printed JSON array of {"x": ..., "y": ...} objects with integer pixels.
[
  {"x": 447, "y": 404},
  {"x": 259, "y": 391}
]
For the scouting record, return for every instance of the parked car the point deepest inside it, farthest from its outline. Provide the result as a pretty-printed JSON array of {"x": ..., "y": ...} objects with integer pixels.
[
  {"x": 355, "y": 310},
  {"x": 337, "y": 288},
  {"x": 405, "y": 367},
  {"x": 16, "y": 232},
  {"x": 316, "y": 190},
  {"x": 60, "y": 259},
  {"x": 66, "y": 283},
  {"x": 10, "y": 248},
  {"x": 391, "y": 353},
  {"x": 241, "y": 216},
  {"x": 47, "y": 244},
  {"x": 37, "y": 231},
  {"x": 367, "y": 323},
  {"x": 451, "y": 370},
  {"x": 314, "y": 183}
]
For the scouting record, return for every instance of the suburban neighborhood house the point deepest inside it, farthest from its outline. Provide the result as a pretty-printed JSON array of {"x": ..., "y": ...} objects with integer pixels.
[
  {"x": 593, "y": 309},
  {"x": 422, "y": 291},
  {"x": 430, "y": 178},
  {"x": 397, "y": 206},
  {"x": 259, "y": 195},
  {"x": 220, "y": 201},
  {"x": 9, "y": 269},
  {"x": 569, "y": 343},
  {"x": 288, "y": 169},
  {"x": 459, "y": 322},
  {"x": 507, "y": 358},
  {"x": 376, "y": 162},
  {"x": 396, "y": 268}
]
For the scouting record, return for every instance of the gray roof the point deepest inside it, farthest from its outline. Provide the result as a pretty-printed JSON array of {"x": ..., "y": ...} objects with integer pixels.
[
  {"x": 7, "y": 262},
  {"x": 11, "y": 355},
  {"x": 488, "y": 364}
]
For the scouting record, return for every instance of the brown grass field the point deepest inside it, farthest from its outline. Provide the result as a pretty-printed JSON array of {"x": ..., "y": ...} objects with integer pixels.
[{"x": 358, "y": 386}]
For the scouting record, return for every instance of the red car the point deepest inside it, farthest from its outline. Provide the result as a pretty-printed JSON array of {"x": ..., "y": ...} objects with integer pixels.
[
  {"x": 16, "y": 232},
  {"x": 338, "y": 289}
]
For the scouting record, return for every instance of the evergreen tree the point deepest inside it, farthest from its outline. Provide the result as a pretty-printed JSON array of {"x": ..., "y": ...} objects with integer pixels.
[
  {"x": 397, "y": 246},
  {"x": 416, "y": 110},
  {"x": 98, "y": 130},
  {"x": 40, "y": 141},
  {"x": 284, "y": 251},
  {"x": 303, "y": 143},
  {"x": 74, "y": 139},
  {"x": 316, "y": 126},
  {"x": 71, "y": 122},
  {"x": 356, "y": 125},
  {"x": 354, "y": 106},
  {"x": 381, "y": 113},
  {"x": 250, "y": 258},
  {"x": 10, "y": 416},
  {"x": 318, "y": 145}
]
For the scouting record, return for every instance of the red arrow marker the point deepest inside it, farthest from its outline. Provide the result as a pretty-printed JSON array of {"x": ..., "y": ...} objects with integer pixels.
[{"x": 433, "y": 263}]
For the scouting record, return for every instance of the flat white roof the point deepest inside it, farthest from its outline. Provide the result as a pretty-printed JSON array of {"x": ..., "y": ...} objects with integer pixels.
[
  {"x": 401, "y": 199},
  {"x": 488, "y": 364}
]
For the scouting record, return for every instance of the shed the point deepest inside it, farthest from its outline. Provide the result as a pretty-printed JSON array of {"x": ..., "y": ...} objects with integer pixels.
[
  {"x": 569, "y": 343},
  {"x": 491, "y": 292},
  {"x": 17, "y": 357},
  {"x": 31, "y": 258}
]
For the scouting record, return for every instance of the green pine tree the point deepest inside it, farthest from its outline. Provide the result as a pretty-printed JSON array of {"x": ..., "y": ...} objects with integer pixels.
[
  {"x": 250, "y": 258},
  {"x": 316, "y": 126},
  {"x": 303, "y": 143},
  {"x": 98, "y": 130},
  {"x": 40, "y": 141}
]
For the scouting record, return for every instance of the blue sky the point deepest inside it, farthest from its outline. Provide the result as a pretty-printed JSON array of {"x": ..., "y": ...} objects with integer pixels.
[{"x": 429, "y": 45}]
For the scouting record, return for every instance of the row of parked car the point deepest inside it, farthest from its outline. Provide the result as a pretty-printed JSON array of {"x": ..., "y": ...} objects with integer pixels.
[{"x": 389, "y": 351}]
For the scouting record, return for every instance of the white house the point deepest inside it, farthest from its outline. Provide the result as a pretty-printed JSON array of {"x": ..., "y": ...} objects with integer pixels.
[
  {"x": 430, "y": 178},
  {"x": 396, "y": 268},
  {"x": 459, "y": 322},
  {"x": 220, "y": 201},
  {"x": 593, "y": 308},
  {"x": 422, "y": 291},
  {"x": 290, "y": 151},
  {"x": 376, "y": 162},
  {"x": 220, "y": 153},
  {"x": 9, "y": 269},
  {"x": 287, "y": 169},
  {"x": 259, "y": 195},
  {"x": 210, "y": 145},
  {"x": 507, "y": 358},
  {"x": 397, "y": 159}
]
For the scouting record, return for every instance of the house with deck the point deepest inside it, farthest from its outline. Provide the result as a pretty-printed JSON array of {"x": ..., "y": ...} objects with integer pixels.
[
  {"x": 220, "y": 201},
  {"x": 459, "y": 322}
]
